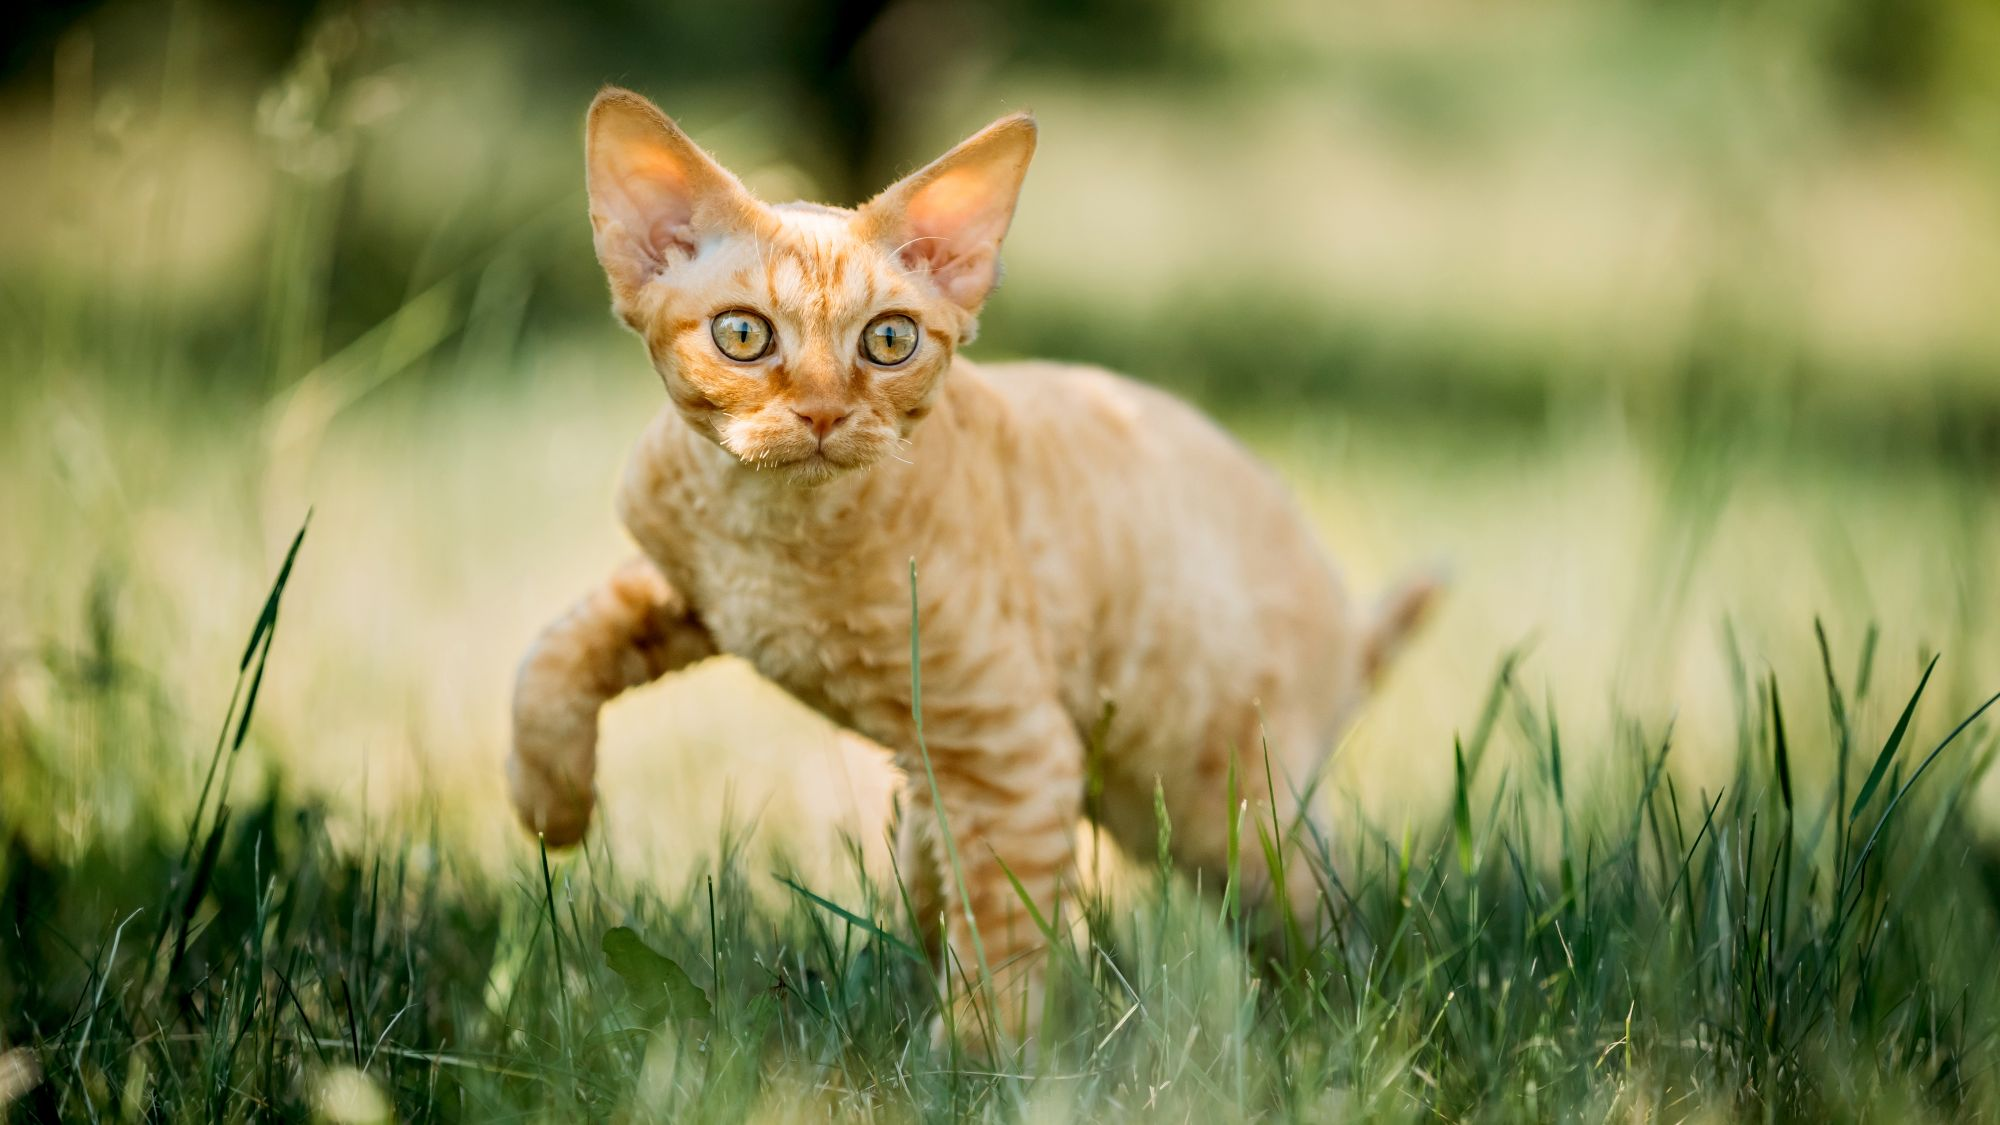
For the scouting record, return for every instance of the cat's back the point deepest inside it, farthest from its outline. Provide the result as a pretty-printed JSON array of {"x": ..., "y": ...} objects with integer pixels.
[
  {"x": 1091, "y": 433},
  {"x": 1162, "y": 547}
]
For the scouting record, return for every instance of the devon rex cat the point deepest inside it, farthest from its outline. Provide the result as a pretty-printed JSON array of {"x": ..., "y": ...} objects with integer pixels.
[{"x": 1080, "y": 539}]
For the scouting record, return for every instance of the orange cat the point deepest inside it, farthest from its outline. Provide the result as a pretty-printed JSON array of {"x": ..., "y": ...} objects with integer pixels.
[{"x": 1080, "y": 539}]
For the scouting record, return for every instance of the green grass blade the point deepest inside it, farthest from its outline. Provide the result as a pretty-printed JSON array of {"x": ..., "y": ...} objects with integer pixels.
[
  {"x": 1780, "y": 748},
  {"x": 1865, "y": 672},
  {"x": 1461, "y": 812},
  {"x": 267, "y": 618},
  {"x": 1889, "y": 748},
  {"x": 852, "y": 918},
  {"x": 1496, "y": 696},
  {"x": 1837, "y": 705},
  {"x": 1901, "y": 791}
]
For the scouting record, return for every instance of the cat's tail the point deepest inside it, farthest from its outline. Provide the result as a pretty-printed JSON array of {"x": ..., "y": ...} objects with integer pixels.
[{"x": 1396, "y": 617}]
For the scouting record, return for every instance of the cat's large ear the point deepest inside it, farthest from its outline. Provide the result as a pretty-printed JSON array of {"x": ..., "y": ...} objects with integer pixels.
[
  {"x": 947, "y": 218},
  {"x": 653, "y": 193}
]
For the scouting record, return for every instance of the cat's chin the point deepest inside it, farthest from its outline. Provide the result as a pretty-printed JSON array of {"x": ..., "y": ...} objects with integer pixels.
[{"x": 809, "y": 471}]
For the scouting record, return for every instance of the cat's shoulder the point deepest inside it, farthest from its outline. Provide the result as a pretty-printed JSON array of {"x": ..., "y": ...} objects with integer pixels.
[
  {"x": 1084, "y": 391},
  {"x": 1044, "y": 374},
  {"x": 662, "y": 482}
]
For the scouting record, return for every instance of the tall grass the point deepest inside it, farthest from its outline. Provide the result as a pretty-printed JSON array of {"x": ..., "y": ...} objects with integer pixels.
[
  {"x": 1785, "y": 946},
  {"x": 1596, "y": 923}
]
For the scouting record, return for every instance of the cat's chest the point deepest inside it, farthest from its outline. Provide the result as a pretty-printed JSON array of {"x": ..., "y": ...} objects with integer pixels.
[
  {"x": 822, "y": 625},
  {"x": 812, "y": 589},
  {"x": 775, "y": 613}
]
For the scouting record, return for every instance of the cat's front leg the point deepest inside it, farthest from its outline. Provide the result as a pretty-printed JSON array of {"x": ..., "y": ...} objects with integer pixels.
[
  {"x": 631, "y": 630},
  {"x": 1010, "y": 791}
]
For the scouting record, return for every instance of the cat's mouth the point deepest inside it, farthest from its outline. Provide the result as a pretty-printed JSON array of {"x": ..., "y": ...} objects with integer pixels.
[
  {"x": 814, "y": 466},
  {"x": 799, "y": 456}
]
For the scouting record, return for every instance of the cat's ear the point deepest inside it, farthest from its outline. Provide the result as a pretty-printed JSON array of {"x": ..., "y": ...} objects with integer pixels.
[
  {"x": 653, "y": 193},
  {"x": 946, "y": 219}
]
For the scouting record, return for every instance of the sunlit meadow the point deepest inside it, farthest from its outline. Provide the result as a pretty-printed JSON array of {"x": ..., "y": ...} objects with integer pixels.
[{"x": 1679, "y": 365}]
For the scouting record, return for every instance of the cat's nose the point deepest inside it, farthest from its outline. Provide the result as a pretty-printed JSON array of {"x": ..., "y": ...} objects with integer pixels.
[{"x": 822, "y": 417}]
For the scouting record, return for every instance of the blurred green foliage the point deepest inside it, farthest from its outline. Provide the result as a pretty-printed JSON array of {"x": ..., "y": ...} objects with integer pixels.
[
  {"x": 1795, "y": 192},
  {"x": 1565, "y": 287}
]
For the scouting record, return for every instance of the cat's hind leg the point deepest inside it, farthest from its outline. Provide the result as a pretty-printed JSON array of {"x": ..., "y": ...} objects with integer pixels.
[
  {"x": 1247, "y": 815},
  {"x": 920, "y": 869},
  {"x": 631, "y": 630},
  {"x": 1011, "y": 787}
]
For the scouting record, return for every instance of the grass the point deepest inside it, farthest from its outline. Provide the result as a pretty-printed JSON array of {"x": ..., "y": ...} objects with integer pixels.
[
  {"x": 1692, "y": 853},
  {"x": 1784, "y": 946}
]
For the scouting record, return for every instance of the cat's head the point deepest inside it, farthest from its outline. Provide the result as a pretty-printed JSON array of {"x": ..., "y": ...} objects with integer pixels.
[{"x": 804, "y": 339}]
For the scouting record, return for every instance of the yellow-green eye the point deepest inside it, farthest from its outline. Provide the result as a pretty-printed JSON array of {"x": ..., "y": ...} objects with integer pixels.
[
  {"x": 889, "y": 339},
  {"x": 741, "y": 335}
]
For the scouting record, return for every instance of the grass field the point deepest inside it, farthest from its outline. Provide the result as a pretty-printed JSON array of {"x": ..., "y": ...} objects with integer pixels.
[
  {"x": 1681, "y": 808},
  {"x": 1625, "y": 837}
]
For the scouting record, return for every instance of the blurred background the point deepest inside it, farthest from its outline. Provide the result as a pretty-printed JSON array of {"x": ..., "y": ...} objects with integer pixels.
[{"x": 1668, "y": 327}]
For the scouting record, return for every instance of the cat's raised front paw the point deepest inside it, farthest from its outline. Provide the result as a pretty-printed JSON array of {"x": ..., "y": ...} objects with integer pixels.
[{"x": 557, "y": 809}]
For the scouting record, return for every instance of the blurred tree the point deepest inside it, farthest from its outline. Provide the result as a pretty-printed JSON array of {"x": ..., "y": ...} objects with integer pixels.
[
  {"x": 28, "y": 30},
  {"x": 856, "y": 69},
  {"x": 859, "y": 70}
]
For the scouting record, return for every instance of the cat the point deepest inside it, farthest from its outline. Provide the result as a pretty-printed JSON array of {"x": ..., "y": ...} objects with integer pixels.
[{"x": 1076, "y": 540}]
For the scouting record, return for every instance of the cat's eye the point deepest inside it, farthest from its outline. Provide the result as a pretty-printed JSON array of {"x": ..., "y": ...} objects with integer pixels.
[
  {"x": 741, "y": 335},
  {"x": 889, "y": 339}
]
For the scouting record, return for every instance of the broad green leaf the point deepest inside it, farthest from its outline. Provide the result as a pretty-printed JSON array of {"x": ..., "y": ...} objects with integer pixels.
[{"x": 657, "y": 983}]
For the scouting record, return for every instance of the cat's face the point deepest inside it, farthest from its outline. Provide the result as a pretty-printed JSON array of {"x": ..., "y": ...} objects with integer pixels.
[{"x": 805, "y": 340}]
